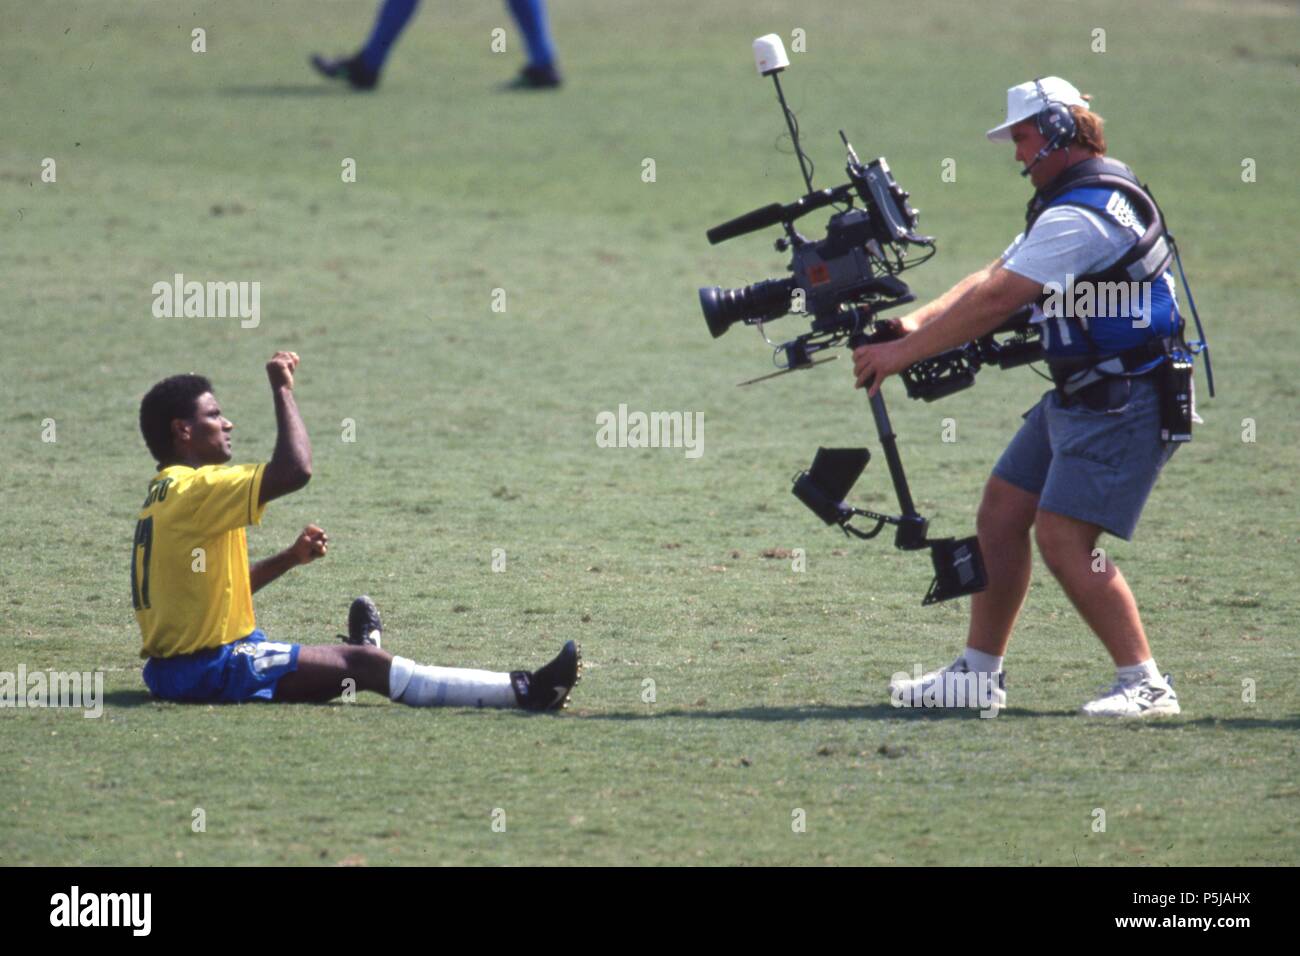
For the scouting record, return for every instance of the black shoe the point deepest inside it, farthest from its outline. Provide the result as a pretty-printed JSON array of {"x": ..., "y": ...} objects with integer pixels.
[
  {"x": 536, "y": 78},
  {"x": 547, "y": 688},
  {"x": 364, "y": 627},
  {"x": 352, "y": 69}
]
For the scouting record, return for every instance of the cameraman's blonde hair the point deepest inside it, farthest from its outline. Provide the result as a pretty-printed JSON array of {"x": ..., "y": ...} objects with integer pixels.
[{"x": 1088, "y": 129}]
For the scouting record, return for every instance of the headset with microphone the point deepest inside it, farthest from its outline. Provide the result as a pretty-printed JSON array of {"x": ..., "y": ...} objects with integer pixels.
[{"x": 1055, "y": 122}]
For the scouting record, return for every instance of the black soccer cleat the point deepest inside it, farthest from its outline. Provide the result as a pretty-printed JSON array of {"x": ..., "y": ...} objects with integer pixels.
[
  {"x": 547, "y": 688},
  {"x": 352, "y": 69},
  {"x": 364, "y": 627},
  {"x": 534, "y": 77}
]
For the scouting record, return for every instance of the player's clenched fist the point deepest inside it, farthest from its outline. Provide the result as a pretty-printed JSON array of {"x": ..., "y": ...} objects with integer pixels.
[
  {"x": 313, "y": 543},
  {"x": 280, "y": 369}
]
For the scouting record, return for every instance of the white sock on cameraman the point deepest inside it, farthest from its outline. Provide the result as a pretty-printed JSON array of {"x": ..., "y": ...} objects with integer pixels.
[
  {"x": 981, "y": 662},
  {"x": 1136, "y": 672}
]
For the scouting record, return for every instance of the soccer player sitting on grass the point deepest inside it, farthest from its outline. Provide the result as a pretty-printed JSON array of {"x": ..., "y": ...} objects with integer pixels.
[{"x": 192, "y": 586}]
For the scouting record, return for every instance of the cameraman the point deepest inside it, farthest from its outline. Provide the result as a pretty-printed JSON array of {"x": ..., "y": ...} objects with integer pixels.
[{"x": 1089, "y": 452}]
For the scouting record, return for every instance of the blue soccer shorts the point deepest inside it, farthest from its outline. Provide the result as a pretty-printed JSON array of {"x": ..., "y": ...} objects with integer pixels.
[{"x": 247, "y": 669}]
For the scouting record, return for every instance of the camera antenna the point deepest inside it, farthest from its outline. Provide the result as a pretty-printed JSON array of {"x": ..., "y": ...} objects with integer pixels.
[
  {"x": 770, "y": 60},
  {"x": 853, "y": 156}
]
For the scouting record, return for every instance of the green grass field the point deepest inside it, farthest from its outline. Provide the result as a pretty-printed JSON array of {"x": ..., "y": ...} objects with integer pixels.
[{"x": 475, "y": 430}]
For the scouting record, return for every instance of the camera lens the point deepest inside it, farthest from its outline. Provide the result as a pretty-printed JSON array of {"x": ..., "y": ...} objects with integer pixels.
[{"x": 723, "y": 308}]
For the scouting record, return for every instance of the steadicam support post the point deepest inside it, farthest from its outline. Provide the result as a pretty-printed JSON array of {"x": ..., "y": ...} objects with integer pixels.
[{"x": 843, "y": 282}]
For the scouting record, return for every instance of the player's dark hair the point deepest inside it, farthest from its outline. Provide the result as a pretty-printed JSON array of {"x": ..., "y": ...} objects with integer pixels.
[{"x": 172, "y": 398}]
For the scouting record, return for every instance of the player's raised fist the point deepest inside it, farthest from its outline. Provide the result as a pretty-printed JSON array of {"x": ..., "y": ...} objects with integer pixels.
[
  {"x": 313, "y": 543},
  {"x": 280, "y": 369}
]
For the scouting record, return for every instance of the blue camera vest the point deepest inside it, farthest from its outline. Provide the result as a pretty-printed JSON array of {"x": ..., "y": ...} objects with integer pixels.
[{"x": 1132, "y": 301}]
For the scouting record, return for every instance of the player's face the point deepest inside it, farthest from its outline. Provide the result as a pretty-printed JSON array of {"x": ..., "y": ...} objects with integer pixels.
[
  {"x": 209, "y": 432},
  {"x": 1028, "y": 142}
]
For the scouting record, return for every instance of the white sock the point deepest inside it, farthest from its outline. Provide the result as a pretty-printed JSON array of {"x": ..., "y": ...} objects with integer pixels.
[
  {"x": 981, "y": 662},
  {"x": 423, "y": 685},
  {"x": 1135, "y": 672}
]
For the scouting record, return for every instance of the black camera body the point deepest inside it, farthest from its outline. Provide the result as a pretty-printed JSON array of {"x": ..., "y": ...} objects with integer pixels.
[
  {"x": 844, "y": 280},
  {"x": 855, "y": 264}
]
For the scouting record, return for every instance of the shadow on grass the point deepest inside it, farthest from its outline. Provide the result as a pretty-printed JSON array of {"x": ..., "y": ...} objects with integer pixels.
[
  {"x": 286, "y": 89},
  {"x": 139, "y": 698},
  {"x": 128, "y": 698},
  {"x": 888, "y": 712},
  {"x": 1232, "y": 723},
  {"x": 823, "y": 712}
]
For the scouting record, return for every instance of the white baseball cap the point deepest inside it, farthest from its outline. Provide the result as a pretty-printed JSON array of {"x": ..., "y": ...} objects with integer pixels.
[{"x": 1025, "y": 102}]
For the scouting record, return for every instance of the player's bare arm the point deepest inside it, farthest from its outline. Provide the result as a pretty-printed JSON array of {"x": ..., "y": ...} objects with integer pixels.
[
  {"x": 202, "y": 642},
  {"x": 290, "y": 466},
  {"x": 311, "y": 544}
]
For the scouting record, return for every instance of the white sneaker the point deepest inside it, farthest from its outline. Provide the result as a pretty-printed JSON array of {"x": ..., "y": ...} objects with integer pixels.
[
  {"x": 955, "y": 686},
  {"x": 1146, "y": 698}
]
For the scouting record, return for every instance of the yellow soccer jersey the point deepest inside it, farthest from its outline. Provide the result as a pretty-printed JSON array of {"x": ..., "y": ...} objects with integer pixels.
[{"x": 189, "y": 563}]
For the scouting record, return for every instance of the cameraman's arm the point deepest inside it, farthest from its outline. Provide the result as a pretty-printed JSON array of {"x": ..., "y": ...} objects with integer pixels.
[
  {"x": 914, "y": 320},
  {"x": 290, "y": 466},
  {"x": 979, "y": 310},
  {"x": 981, "y": 307}
]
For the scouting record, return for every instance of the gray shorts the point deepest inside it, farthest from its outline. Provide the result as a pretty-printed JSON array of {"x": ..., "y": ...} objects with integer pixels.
[{"x": 1096, "y": 466}]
